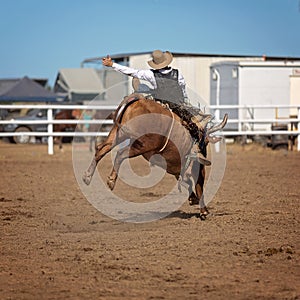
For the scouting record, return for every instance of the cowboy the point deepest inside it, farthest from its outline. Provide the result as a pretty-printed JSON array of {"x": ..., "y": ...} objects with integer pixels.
[
  {"x": 168, "y": 87},
  {"x": 160, "y": 76}
]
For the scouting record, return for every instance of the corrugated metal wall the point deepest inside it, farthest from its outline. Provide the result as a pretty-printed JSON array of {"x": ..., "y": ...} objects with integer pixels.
[
  {"x": 195, "y": 69},
  {"x": 265, "y": 85},
  {"x": 294, "y": 92}
]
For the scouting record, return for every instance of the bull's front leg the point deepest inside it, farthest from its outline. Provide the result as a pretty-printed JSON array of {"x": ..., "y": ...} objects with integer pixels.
[
  {"x": 199, "y": 178},
  {"x": 88, "y": 174},
  {"x": 101, "y": 150},
  {"x": 203, "y": 209}
]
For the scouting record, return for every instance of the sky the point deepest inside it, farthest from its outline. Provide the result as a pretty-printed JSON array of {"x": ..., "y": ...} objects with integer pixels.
[{"x": 40, "y": 37}]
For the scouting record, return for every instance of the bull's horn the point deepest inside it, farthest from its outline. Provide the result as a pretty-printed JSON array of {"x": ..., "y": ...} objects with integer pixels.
[
  {"x": 218, "y": 126},
  {"x": 201, "y": 123}
]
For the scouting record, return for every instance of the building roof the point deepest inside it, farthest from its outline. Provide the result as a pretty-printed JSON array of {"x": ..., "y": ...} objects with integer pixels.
[
  {"x": 27, "y": 90},
  {"x": 8, "y": 83},
  {"x": 122, "y": 56},
  {"x": 263, "y": 63},
  {"x": 78, "y": 81}
]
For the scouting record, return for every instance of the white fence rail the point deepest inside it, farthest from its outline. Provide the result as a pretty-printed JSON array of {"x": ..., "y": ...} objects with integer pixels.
[{"x": 50, "y": 121}]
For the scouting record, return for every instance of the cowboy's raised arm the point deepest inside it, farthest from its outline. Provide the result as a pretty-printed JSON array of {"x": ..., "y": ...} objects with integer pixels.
[{"x": 141, "y": 74}]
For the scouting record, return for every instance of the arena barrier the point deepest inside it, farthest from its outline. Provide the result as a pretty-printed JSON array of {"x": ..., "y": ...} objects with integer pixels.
[{"x": 243, "y": 125}]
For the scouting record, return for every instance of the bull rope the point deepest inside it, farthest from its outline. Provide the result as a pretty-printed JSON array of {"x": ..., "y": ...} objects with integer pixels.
[{"x": 169, "y": 134}]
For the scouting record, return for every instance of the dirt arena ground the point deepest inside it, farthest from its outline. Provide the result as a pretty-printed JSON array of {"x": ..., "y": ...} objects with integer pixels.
[{"x": 55, "y": 245}]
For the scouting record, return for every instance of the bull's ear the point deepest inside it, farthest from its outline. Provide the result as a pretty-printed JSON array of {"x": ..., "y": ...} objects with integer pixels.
[{"x": 214, "y": 139}]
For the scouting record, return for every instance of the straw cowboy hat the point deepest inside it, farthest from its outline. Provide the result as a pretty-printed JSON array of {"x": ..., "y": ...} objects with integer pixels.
[{"x": 160, "y": 59}]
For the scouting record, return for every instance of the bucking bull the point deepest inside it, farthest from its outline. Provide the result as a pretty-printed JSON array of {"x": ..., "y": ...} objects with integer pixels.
[{"x": 154, "y": 129}]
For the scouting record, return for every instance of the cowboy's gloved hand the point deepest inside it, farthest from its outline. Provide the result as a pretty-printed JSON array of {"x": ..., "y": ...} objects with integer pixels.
[{"x": 107, "y": 61}]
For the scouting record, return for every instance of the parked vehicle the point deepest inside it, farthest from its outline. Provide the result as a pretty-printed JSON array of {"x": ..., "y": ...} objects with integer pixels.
[{"x": 32, "y": 114}]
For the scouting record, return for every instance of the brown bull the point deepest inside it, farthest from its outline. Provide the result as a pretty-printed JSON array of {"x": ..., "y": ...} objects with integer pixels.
[{"x": 153, "y": 129}]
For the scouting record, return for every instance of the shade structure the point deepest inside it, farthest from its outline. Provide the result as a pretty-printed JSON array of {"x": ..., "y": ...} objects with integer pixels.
[{"x": 27, "y": 90}]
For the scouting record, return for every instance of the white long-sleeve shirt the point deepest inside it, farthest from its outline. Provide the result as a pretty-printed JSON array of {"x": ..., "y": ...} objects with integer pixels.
[{"x": 148, "y": 75}]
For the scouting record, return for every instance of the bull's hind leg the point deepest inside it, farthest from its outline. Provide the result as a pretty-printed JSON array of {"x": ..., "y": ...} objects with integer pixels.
[{"x": 101, "y": 150}]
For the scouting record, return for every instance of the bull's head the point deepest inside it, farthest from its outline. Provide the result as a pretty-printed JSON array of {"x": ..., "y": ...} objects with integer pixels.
[
  {"x": 202, "y": 120},
  {"x": 215, "y": 139}
]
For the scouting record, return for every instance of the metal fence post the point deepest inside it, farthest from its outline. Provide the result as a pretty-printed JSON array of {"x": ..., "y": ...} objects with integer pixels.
[
  {"x": 50, "y": 131},
  {"x": 298, "y": 138}
]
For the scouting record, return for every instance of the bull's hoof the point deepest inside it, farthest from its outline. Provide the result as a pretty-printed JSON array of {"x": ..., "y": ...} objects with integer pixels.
[
  {"x": 193, "y": 200},
  {"x": 203, "y": 214},
  {"x": 202, "y": 217},
  {"x": 86, "y": 178},
  {"x": 111, "y": 183}
]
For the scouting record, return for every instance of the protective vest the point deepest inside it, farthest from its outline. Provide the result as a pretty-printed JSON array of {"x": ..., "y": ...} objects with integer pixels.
[{"x": 168, "y": 88}]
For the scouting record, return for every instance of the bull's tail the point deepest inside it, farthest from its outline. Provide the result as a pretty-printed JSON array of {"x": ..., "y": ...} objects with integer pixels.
[{"x": 123, "y": 129}]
